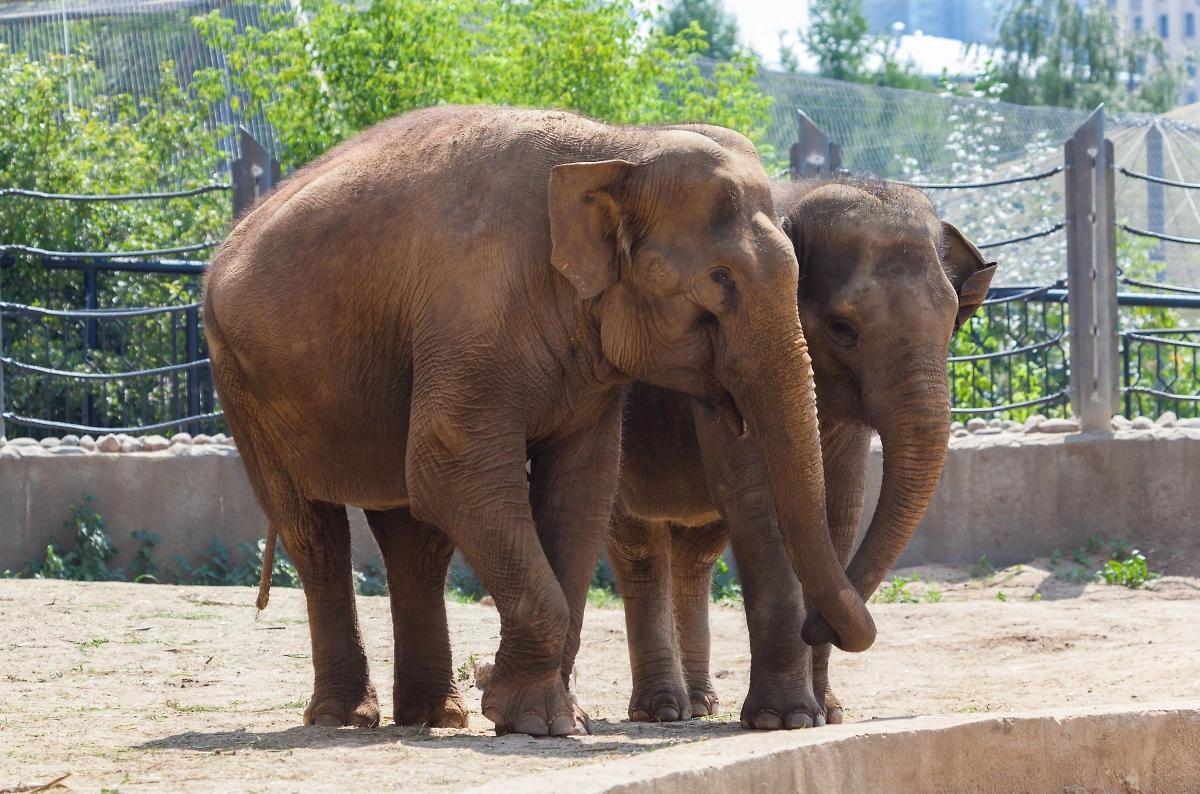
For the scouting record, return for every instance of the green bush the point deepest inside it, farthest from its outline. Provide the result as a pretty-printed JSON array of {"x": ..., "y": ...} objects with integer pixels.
[
  {"x": 86, "y": 560},
  {"x": 726, "y": 588},
  {"x": 1131, "y": 572}
]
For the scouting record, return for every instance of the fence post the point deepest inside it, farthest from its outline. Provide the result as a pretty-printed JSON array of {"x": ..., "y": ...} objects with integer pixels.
[
  {"x": 1092, "y": 275},
  {"x": 253, "y": 174},
  {"x": 3, "y": 429},
  {"x": 91, "y": 341},
  {"x": 193, "y": 374},
  {"x": 1155, "y": 220},
  {"x": 814, "y": 152}
]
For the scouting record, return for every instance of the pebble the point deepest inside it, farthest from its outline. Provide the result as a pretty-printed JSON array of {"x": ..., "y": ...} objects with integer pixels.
[
  {"x": 219, "y": 438},
  {"x": 1010, "y": 426},
  {"x": 24, "y": 441},
  {"x": 1032, "y": 423},
  {"x": 50, "y": 441},
  {"x": 182, "y": 438},
  {"x": 1059, "y": 426},
  {"x": 961, "y": 432},
  {"x": 1121, "y": 423},
  {"x": 994, "y": 423},
  {"x": 35, "y": 451},
  {"x": 3, "y": 441},
  {"x": 988, "y": 431},
  {"x": 63, "y": 449},
  {"x": 88, "y": 443},
  {"x": 1142, "y": 423},
  {"x": 957, "y": 426},
  {"x": 201, "y": 439},
  {"x": 9, "y": 451},
  {"x": 155, "y": 443},
  {"x": 108, "y": 443},
  {"x": 132, "y": 445},
  {"x": 1191, "y": 422},
  {"x": 70, "y": 441},
  {"x": 1169, "y": 419},
  {"x": 976, "y": 424}
]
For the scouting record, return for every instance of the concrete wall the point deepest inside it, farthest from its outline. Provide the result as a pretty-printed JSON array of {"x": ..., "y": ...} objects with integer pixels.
[{"x": 1007, "y": 495}]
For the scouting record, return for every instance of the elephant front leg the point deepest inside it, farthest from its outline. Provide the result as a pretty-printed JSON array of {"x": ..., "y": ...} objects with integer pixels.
[
  {"x": 693, "y": 552},
  {"x": 571, "y": 489},
  {"x": 417, "y": 556},
  {"x": 781, "y": 694},
  {"x": 640, "y": 552}
]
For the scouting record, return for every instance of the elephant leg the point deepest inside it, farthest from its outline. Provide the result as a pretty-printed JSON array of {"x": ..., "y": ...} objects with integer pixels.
[
  {"x": 781, "y": 694},
  {"x": 844, "y": 450},
  {"x": 317, "y": 538},
  {"x": 571, "y": 495},
  {"x": 640, "y": 553},
  {"x": 417, "y": 557},
  {"x": 693, "y": 552}
]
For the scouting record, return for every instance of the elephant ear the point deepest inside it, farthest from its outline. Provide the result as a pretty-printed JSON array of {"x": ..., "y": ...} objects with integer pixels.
[
  {"x": 968, "y": 271},
  {"x": 587, "y": 225}
]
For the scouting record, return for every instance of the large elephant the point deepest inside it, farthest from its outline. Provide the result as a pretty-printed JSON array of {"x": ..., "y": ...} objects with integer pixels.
[
  {"x": 405, "y": 321},
  {"x": 883, "y": 285}
]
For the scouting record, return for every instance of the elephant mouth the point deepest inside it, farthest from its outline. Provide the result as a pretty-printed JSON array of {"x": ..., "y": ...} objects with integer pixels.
[{"x": 726, "y": 407}]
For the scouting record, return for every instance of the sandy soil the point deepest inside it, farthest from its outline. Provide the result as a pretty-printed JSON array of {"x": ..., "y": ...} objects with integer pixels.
[{"x": 152, "y": 688}]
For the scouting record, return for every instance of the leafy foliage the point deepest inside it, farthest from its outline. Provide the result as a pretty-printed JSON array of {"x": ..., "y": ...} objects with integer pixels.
[
  {"x": 720, "y": 29},
  {"x": 328, "y": 70},
  {"x": 896, "y": 592},
  {"x": 725, "y": 588},
  {"x": 1130, "y": 572},
  {"x": 371, "y": 579},
  {"x": 837, "y": 35},
  {"x": 145, "y": 566},
  {"x": 86, "y": 560}
]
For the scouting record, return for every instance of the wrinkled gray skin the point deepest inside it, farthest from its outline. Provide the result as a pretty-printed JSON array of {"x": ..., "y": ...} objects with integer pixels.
[
  {"x": 404, "y": 322},
  {"x": 883, "y": 286}
]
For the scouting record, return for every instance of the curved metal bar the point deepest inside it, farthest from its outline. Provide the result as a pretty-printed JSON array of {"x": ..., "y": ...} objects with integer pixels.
[
  {"x": 1151, "y": 285},
  {"x": 37, "y": 194},
  {"x": 1023, "y": 237},
  {"x": 1158, "y": 340},
  {"x": 955, "y": 186},
  {"x": 31, "y": 422},
  {"x": 1025, "y": 295},
  {"x": 1162, "y": 395},
  {"x": 1014, "y": 352},
  {"x": 1160, "y": 180},
  {"x": 95, "y": 313},
  {"x": 1159, "y": 236},
  {"x": 8, "y": 362},
  {"x": 999, "y": 408},
  {"x": 32, "y": 251}
]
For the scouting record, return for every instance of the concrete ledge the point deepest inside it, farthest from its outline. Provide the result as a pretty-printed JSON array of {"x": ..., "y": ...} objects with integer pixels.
[{"x": 1149, "y": 749}]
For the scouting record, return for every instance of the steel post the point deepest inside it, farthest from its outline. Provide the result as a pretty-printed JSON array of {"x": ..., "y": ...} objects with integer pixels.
[
  {"x": 814, "y": 152},
  {"x": 1155, "y": 218},
  {"x": 193, "y": 374},
  {"x": 1092, "y": 276}
]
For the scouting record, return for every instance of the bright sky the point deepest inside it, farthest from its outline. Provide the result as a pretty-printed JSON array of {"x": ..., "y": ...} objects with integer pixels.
[{"x": 761, "y": 20}]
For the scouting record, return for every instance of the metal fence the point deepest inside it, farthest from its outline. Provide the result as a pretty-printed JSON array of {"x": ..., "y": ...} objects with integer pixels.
[{"x": 95, "y": 370}]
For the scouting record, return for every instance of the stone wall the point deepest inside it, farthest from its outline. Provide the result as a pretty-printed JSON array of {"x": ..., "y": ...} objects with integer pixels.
[{"x": 1010, "y": 492}]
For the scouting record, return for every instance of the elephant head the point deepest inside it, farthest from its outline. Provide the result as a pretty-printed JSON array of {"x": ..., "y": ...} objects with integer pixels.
[
  {"x": 681, "y": 262},
  {"x": 883, "y": 285}
]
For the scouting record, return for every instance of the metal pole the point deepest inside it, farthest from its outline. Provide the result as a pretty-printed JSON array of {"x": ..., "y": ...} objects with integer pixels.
[
  {"x": 1155, "y": 219},
  {"x": 253, "y": 174},
  {"x": 3, "y": 430},
  {"x": 1092, "y": 276},
  {"x": 193, "y": 374},
  {"x": 814, "y": 152},
  {"x": 91, "y": 341}
]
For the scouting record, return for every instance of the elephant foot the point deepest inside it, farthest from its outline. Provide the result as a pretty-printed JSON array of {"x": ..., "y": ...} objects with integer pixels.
[
  {"x": 541, "y": 708},
  {"x": 704, "y": 700},
  {"x": 435, "y": 706},
  {"x": 338, "y": 710},
  {"x": 833, "y": 708},
  {"x": 782, "y": 709},
  {"x": 669, "y": 703}
]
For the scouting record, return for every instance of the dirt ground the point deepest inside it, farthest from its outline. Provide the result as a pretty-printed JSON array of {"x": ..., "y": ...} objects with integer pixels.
[{"x": 155, "y": 688}]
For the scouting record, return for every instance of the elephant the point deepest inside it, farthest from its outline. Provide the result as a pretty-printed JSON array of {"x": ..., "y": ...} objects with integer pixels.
[
  {"x": 883, "y": 286},
  {"x": 404, "y": 322}
]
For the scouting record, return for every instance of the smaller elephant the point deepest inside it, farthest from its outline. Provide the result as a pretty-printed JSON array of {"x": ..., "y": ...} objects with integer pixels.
[{"x": 883, "y": 285}]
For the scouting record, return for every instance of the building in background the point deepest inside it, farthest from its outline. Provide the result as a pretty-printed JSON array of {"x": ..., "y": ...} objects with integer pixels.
[
  {"x": 1178, "y": 23},
  {"x": 964, "y": 20}
]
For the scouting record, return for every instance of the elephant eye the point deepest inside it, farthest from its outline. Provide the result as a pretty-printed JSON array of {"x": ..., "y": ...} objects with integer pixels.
[
  {"x": 841, "y": 332},
  {"x": 721, "y": 276}
]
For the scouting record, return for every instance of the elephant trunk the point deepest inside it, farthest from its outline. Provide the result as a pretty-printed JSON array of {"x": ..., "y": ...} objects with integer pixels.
[
  {"x": 912, "y": 415},
  {"x": 779, "y": 402}
]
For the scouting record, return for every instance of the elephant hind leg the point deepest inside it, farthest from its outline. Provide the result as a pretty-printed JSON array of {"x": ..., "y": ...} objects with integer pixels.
[
  {"x": 694, "y": 550},
  {"x": 821, "y": 687},
  {"x": 640, "y": 552},
  {"x": 417, "y": 557}
]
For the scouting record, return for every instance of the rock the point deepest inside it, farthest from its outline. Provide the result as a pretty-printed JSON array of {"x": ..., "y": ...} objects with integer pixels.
[
  {"x": 487, "y": 601},
  {"x": 988, "y": 431},
  {"x": 123, "y": 437},
  {"x": 70, "y": 441},
  {"x": 88, "y": 443},
  {"x": 24, "y": 441},
  {"x": 50, "y": 441},
  {"x": 219, "y": 438},
  {"x": 961, "y": 432},
  {"x": 35, "y": 451},
  {"x": 63, "y": 449},
  {"x": 132, "y": 445},
  {"x": 1032, "y": 423},
  {"x": 1192, "y": 422},
  {"x": 994, "y": 423},
  {"x": 108, "y": 443},
  {"x": 1010, "y": 426},
  {"x": 1142, "y": 423},
  {"x": 976, "y": 424},
  {"x": 957, "y": 426},
  {"x": 1169, "y": 419},
  {"x": 155, "y": 443},
  {"x": 201, "y": 439},
  {"x": 181, "y": 438},
  {"x": 9, "y": 451},
  {"x": 1121, "y": 423},
  {"x": 1059, "y": 426}
]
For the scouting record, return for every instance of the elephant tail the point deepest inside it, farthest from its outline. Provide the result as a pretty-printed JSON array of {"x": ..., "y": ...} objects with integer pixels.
[{"x": 268, "y": 563}]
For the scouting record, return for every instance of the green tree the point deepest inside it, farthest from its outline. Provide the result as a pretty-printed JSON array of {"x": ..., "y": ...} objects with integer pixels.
[
  {"x": 837, "y": 35},
  {"x": 1072, "y": 54},
  {"x": 720, "y": 27},
  {"x": 339, "y": 68}
]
